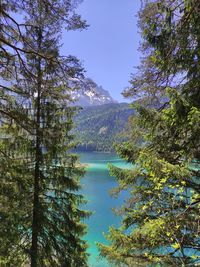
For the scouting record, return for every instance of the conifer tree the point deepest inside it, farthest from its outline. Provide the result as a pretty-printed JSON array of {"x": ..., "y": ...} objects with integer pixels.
[
  {"x": 41, "y": 219},
  {"x": 161, "y": 217}
]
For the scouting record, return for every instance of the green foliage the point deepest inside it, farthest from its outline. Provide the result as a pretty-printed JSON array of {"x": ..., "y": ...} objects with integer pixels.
[
  {"x": 160, "y": 224},
  {"x": 41, "y": 220}
]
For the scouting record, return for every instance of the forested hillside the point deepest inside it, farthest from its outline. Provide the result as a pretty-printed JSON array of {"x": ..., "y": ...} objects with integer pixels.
[{"x": 98, "y": 127}]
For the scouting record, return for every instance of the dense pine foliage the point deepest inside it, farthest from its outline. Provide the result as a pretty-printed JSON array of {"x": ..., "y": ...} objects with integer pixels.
[
  {"x": 40, "y": 215},
  {"x": 161, "y": 218}
]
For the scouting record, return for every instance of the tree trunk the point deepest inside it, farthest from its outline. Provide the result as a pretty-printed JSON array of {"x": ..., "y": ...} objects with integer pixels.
[{"x": 38, "y": 154}]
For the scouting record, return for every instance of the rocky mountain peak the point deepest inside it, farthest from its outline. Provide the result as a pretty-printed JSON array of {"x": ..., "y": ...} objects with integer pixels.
[{"x": 91, "y": 94}]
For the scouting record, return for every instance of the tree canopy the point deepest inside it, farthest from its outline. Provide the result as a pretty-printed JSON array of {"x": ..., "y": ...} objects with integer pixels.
[
  {"x": 161, "y": 217},
  {"x": 40, "y": 210}
]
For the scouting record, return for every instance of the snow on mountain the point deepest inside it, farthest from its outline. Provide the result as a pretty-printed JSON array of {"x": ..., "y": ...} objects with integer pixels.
[{"x": 90, "y": 94}]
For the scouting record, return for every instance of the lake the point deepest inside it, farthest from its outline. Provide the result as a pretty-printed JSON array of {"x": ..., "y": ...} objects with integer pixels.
[{"x": 96, "y": 186}]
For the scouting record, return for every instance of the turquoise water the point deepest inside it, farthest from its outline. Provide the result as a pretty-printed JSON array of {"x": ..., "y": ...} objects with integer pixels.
[{"x": 96, "y": 186}]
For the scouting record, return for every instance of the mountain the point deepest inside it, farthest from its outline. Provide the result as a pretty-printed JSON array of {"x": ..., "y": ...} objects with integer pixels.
[
  {"x": 90, "y": 94},
  {"x": 98, "y": 127}
]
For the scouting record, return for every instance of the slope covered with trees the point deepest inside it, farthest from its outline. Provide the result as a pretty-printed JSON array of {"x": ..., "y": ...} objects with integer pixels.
[
  {"x": 161, "y": 217},
  {"x": 99, "y": 127}
]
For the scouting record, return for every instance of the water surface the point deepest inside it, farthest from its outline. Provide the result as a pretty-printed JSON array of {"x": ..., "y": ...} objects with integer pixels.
[{"x": 96, "y": 186}]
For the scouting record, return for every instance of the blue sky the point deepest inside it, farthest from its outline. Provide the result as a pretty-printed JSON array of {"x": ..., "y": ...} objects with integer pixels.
[{"x": 109, "y": 47}]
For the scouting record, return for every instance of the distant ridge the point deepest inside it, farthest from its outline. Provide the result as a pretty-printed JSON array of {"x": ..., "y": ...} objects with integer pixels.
[{"x": 98, "y": 127}]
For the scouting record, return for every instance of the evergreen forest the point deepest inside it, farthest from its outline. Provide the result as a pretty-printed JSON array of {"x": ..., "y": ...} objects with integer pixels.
[{"x": 46, "y": 132}]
